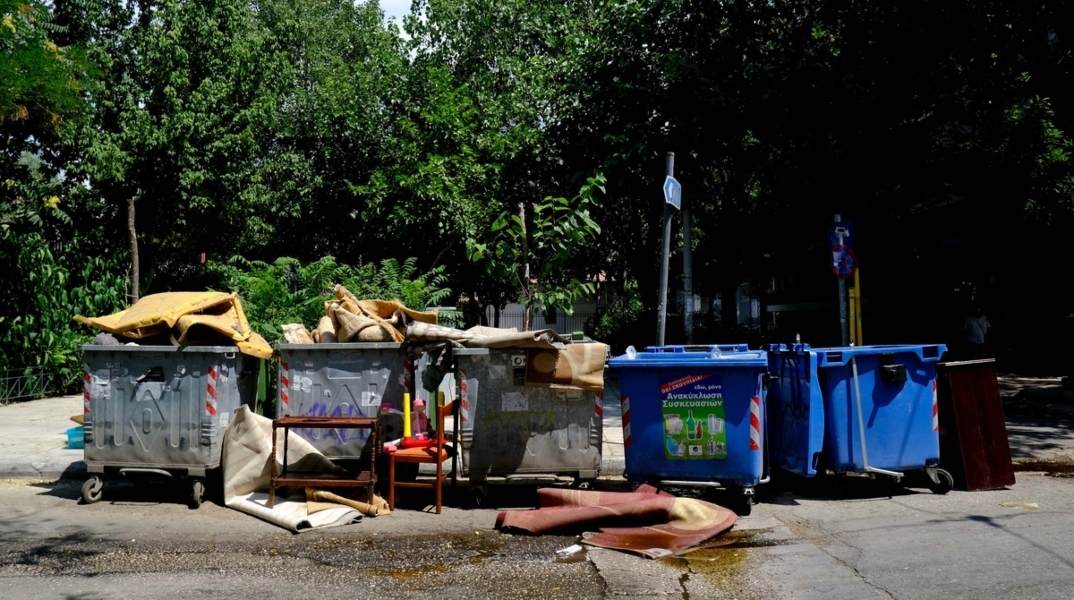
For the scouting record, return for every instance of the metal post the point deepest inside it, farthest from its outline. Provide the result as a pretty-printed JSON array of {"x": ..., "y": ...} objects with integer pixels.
[
  {"x": 853, "y": 299},
  {"x": 661, "y": 319},
  {"x": 687, "y": 274},
  {"x": 857, "y": 294},
  {"x": 843, "y": 332}
]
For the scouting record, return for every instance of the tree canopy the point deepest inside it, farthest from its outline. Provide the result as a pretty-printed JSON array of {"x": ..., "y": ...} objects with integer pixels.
[{"x": 482, "y": 137}]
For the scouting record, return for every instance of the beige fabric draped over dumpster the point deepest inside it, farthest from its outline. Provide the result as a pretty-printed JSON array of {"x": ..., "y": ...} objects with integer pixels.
[{"x": 551, "y": 360}]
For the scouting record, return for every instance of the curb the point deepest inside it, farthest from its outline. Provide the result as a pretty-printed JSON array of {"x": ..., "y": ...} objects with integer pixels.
[{"x": 43, "y": 470}]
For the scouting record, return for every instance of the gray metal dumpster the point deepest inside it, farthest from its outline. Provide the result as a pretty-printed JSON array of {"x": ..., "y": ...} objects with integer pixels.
[
  {"x": 509, "y": 429},
  {"x": 341, "y": 380},
  {"x": 161, "y": 410}
]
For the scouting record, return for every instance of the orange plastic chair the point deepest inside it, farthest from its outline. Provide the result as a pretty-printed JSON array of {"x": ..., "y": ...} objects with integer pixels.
[{"x": 434, "y": 454}]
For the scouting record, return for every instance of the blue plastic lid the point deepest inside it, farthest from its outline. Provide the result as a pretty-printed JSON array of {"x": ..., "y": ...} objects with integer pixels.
[
  {"x": 707, "y": 348},
  {"x": 705, "y": 356},
  {"x": 837, "y": 356}
]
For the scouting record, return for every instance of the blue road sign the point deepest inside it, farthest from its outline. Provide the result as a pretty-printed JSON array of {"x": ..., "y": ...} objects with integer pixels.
[{"x": 673, "y": 192}]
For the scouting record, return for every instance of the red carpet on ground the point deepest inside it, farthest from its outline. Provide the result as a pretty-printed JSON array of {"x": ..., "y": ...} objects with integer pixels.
[{"x": 648, "y": 522}]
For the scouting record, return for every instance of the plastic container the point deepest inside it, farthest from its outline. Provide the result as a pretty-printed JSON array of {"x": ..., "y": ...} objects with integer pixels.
[
  {"x": 161, "y": 410},
  {"x": 340, "y": 380},
  {"x": 694, "y": 416},
  {"x": 507, "y": 428},
  {"x": 75, "y": 440},
  {"x": 867, "y": 409}
]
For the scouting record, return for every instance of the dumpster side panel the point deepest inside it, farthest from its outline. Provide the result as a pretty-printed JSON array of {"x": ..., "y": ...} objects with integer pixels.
[
  {"x": 509, "y": 428},
  {"x": 655, "y": 430},
  {"x": 333, "y": 380},
  {"x": 898, "y": 414},
  {"x": 162, "y": 407},
  {"x": 796, "y": 412}
]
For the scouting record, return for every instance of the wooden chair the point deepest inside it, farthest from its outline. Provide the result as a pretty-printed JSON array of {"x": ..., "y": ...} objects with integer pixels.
[{"x": 436, "y": 454}]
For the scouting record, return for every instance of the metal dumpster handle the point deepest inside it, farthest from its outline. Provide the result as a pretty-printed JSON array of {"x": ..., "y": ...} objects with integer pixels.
[
  {"x": 861, "y": 425},
  {"x": 154, "y": 374}
]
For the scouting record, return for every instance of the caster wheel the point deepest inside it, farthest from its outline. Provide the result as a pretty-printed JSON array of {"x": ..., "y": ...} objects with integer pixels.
[
  {"x": 197, "y": 494},
  {"x": 93, "y": 490},
  {"x": 480, "y": 495},
  {"x": 743, "y": 506},
  {"x": 944, "y": 482}
]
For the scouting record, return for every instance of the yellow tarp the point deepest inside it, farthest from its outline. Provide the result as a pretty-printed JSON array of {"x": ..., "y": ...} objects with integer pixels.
[{"x": 193, "y": 318}]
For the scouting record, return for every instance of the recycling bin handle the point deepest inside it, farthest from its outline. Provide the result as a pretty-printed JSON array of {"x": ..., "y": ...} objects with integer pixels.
[{"x": 837, "y": 358}]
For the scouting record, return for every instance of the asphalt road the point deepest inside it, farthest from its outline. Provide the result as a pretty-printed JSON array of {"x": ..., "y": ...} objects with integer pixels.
[{"x": 882, "y": 541}]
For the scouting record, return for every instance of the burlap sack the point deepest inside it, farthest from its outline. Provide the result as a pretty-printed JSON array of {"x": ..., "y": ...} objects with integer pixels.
[
  {"x": 347, "y": 301},
  {"x": 350, "y": 325},
  {"x": 379, "y": 332},
  {"x": 326, "y": 331},
  {"x": 296, "y": 333}
]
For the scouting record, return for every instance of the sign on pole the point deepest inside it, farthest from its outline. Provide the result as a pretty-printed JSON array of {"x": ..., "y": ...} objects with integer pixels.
[
  {"x": 841, "y": 249},
  {"x": 673, "y": 192},
  {"x": 844, "y": 263}
]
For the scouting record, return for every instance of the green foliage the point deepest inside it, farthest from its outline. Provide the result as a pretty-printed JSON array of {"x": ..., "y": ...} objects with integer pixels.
[
  {"x": 399, "y": 281},
  {"x": 181, "y": 121},
  {"x": 332, "y": 130},
  {"x": 40, "y": 82},
  {"x": 310, "y": 129},
  {"x": 286, "y": 291},
  {"x": 50, "y": 279},
  {"x": 616, "y": 323},
  {"x": 538, "y": 256}
]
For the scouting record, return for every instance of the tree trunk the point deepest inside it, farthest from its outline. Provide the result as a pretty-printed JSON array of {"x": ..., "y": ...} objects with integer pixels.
[
  {"x": 134, "y": 249},
  {"x": 527, "y": 314}
]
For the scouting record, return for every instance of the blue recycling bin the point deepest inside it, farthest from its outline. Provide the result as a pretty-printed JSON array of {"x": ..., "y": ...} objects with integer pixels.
[
  {"x": 694, "y": 416},
  {"x": 866, "y": 409}
]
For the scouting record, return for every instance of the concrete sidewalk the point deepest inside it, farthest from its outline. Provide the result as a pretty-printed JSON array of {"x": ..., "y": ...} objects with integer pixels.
[{"x": 33, "y": 440}]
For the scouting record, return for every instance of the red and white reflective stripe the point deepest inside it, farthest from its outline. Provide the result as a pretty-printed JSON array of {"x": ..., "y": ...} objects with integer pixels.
[
  {"x": 755, "y": 423},
  {"x": 935, "y": 408},
  {"x": 86, "y": 389},
  {"x": 406, "y": 376},
  {"x": 626, "y": 421},
  {"x": 210, "y": 393},
  {"x": 598, "y": 406},
  {"x": 464, "y": 397},
  {"x": 283, "y": 385}
]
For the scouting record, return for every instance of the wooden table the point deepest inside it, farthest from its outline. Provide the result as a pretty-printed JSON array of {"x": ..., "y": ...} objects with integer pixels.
[{"x": 366, "y": 479}]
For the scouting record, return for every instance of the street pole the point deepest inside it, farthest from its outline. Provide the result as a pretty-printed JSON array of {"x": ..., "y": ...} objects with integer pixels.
[
  {"x": 842, "y": 298},
  {"x": 662, "y": 307},
  {"x": 687, "y": 275},
  {"x": 857, "y": 294}
]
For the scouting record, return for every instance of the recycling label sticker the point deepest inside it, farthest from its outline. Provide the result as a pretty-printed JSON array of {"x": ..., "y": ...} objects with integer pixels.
[{"x": 692, "y": 410}]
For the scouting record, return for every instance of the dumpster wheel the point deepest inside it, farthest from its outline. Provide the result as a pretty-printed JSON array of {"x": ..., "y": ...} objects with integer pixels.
[
  {"x": 480, "y": 494},
  {"x": 197, "y": 494},
  {"x": 740, "y": 501},
  {"x": 940, "y": 481},
  {"x": 744, "y": 506},
  {"x": 93, "y": 490}
]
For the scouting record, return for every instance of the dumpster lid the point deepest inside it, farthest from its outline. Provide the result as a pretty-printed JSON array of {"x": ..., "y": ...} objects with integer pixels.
[
  {"x": 160, "y": 348},
  {"x": 342, "y": 346},
  {"x": 730, "y": 355},
  {"x": 840, "y": 355},
  {"x": 700, "y": 348}
]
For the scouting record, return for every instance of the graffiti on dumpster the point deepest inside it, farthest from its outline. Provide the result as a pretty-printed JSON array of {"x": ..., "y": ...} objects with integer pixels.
[
  {"x": 693, "y": 415},
  {"x": 321, "y": 409}
]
